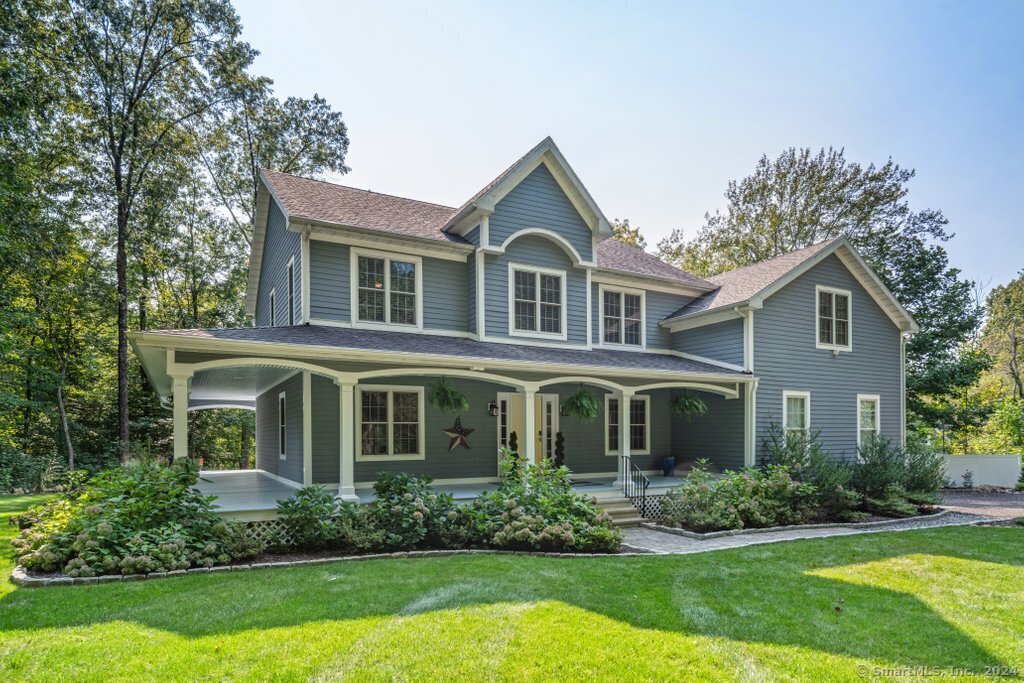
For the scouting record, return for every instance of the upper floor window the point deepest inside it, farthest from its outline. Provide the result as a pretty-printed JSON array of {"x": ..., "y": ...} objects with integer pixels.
[
  {"x": 622, "y": 317},
  {"x": 537, "y": 298},
  {"x": 387, "y": 289},
  {"x": 833, "y": 318}
]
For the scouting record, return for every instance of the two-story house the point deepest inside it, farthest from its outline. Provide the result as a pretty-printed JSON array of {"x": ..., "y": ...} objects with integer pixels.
[{"x": 519, "y": 297}]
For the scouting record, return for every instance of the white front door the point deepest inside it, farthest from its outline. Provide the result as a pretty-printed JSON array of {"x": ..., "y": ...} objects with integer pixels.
[{"x": 510, "y": 420}]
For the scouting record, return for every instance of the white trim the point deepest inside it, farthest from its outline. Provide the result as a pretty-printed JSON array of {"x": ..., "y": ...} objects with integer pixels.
[
  {"x": 272, "y": 304},
  {"x": 282, "y": 425},
  {"x": 387, "y": 257},
  {"x": 499, "y": 397},
  {"x": 621, "y": 291},
  {"x": 903, "y": 389},
  {"x": 215, "y": 406},
  {"x": 748, "y": 338},
  {"x": 307, "y": 428},
  {"x": 289, "y": 272},
  {"x": 750, "y": 425},
  {"x": 421, "y": 453},
  {"x": 704, "y": 359},
  {"x": 695, "y": 320},
  {"x": 878, "y": 414},
  {"x": 566, "y": 246},
  {"x": 537, "y": 271},
  {"x": 481, "y": 294},
  {"x": 650, "y": 283},
  {"x": 806, "y": 395},
  {"x": 401, "y": 244},
  {"x": 363, "y": 485},
  {"x": 834, "y": 291},
  {"x": 590, "y": 303},
  {"x": 305, "y": 314},
  {"x": 625, "y": 422}
]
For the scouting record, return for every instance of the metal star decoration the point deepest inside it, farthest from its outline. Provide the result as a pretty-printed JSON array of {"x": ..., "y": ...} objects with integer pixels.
[{"x": 457, "y": 433}]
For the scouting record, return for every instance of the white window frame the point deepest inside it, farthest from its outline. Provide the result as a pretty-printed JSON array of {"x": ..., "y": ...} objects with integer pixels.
[
  {"x": 291, "y": 291},
  {"x": 272, "y": 304},
  {"x": 806, "y": 395},
  {"x": 537, "y": 271},
  {"x": 877, "y": 399},
  {"x": 818, "y": 291},
  {"x": 282, "y": 425},
  {"x": 354, "y": 255},
  {"x": 421, "y": 412},
  {"x": 624, "y": 418},
  {"x": 601, "y": 290}
]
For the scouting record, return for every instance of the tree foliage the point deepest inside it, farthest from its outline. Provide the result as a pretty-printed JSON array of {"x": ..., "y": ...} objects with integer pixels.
[
  {"x": 805, "y": 197},
  {"x": 628, "y": 233}
]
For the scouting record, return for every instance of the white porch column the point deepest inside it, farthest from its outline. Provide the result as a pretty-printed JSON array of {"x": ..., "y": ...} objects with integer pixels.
[
  {"x": 179, "y": 385},
  {"x": 749, "y": 424},
  {"x": 625, "y": 398},
  {"x": 347, "y": 470},
  {"x": 528, "y": 441}
]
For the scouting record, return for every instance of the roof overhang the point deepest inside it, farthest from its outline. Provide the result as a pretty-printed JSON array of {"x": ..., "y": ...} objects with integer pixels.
[
  {"x": 850, "y": 258},
  {"x": 547, "y": 153}
]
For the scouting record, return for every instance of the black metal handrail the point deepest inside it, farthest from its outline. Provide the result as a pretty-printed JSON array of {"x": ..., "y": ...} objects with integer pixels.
[{"x": 634, "y": 484}]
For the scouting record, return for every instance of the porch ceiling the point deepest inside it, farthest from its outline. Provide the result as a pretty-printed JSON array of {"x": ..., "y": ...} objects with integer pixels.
[{"x": 234, "y": 387}]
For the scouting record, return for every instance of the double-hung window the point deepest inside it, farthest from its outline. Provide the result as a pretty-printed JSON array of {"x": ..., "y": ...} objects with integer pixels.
[
  {"x": 390, "y": 423},
  {"x": 282, "y": 426},
  {"x": 868, "y": 423},
  {"x": 537, "y": 302},
  {"x": 833, "y": 319},
  {"x": 387, "y": 289},
  {"x": 638, "y": 426},
  {"x": 622, "y": 317},
  {"x": 796, "y": 412}
]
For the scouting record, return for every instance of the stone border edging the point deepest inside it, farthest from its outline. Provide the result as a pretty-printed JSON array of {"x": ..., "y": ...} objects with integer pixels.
[
  {"x": 792, "y": 527},
  {"x": 21, "y": 577}
]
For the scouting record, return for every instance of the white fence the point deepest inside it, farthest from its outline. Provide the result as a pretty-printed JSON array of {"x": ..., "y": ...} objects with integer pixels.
[{"x": 986, "y": 470}]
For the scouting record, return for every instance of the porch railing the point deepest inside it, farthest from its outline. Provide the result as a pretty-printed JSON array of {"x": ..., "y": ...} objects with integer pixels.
[{"x": 634, "y": 484}]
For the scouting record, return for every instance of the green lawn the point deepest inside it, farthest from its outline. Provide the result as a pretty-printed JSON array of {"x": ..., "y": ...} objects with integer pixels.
[{"x": 937, "y": 598}]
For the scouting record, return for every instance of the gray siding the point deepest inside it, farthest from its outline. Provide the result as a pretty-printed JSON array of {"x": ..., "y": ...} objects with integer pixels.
[
  {"x": 279, "y": 245},
  {"x": 538, "y": 202},
  {"x": 721, "y": 341},
  {"x": 267, "y": 457},
  {"x": 786, "y": 359},
  {"x": 479, "y": 461},
  {"x": 717, "y": 436},
  {"x": 329, "y": 281},
  {"x": 326, "y": 431},
  {"x": 536, "y": 251},
  {"x": 445, "y": 299}
]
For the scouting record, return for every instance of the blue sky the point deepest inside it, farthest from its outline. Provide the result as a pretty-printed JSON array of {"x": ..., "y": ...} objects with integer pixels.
[{"x": 658, "y": 105}]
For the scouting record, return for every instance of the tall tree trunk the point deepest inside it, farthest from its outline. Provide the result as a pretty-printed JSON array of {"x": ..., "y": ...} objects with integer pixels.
[
  {"x": 64, "y": 425},
  {"x": 122, "y": 327}
]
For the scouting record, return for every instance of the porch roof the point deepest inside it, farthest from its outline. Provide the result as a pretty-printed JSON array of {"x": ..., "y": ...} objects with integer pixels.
[{"x": 320, "y": 337}]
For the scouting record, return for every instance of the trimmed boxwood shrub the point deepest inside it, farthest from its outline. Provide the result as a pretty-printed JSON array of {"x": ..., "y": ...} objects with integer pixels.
[{"x": 136, "y": 519}]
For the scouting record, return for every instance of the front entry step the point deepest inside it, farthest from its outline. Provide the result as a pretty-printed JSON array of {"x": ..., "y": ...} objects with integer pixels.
[{"x": 621, "y": 510}]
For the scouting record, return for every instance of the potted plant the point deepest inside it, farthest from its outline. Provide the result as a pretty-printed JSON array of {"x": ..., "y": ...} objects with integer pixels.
[
  {"x": 446, "y": 398},
  {"x": 688, "y": 406},
  {"x": 581, "y": 405}
]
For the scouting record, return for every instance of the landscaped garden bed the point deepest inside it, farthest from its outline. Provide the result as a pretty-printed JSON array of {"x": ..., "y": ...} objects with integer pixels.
[
  {"x": 148, "y": 520},
  {"x": 806, "y": 485}
]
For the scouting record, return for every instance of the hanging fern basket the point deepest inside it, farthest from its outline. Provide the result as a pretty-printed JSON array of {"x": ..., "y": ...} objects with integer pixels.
[
  {"x": 582, "y": 405},
  {"x": 446, "y": 398},
  {"x": 688, "y": 406}
]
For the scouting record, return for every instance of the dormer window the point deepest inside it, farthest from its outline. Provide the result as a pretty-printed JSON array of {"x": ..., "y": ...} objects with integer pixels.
[
  {"x": 622, "y": 317},
  {"x": 386, "y": 290},
  {"x": 833, "y": 318},
  {"x": 536, "y": 302}
]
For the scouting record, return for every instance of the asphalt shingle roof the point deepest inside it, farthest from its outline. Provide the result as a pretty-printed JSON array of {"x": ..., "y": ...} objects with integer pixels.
[
  {"x": 426, "y": 344},
  {"x": 614, "y": 254},
  {"x": 739, "y": 285}
]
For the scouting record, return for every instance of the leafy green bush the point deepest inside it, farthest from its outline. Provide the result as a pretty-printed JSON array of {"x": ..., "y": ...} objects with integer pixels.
[
  {"x": 536, "y": 508},
  {"x": 807, "y": 461},
  {"x": 410, "y": 515},
  {"x": 748, "y": 498},
  {"x": 314, "y": 519},
  {"x": 130, "y": 520}
]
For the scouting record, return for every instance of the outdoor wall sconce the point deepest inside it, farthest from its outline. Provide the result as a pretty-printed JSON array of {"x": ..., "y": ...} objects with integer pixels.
[{"x": 492, "y": 409}]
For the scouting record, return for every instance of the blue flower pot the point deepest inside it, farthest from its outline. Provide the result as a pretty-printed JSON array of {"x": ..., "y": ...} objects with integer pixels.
[{"x": 668, "y": 465}]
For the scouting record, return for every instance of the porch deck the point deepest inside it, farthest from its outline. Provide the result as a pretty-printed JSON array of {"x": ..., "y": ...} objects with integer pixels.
[{"x": 252, "y": 495}]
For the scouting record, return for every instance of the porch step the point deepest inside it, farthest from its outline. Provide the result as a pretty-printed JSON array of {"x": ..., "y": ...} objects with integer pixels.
[{"x": 622, "y": 512}]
